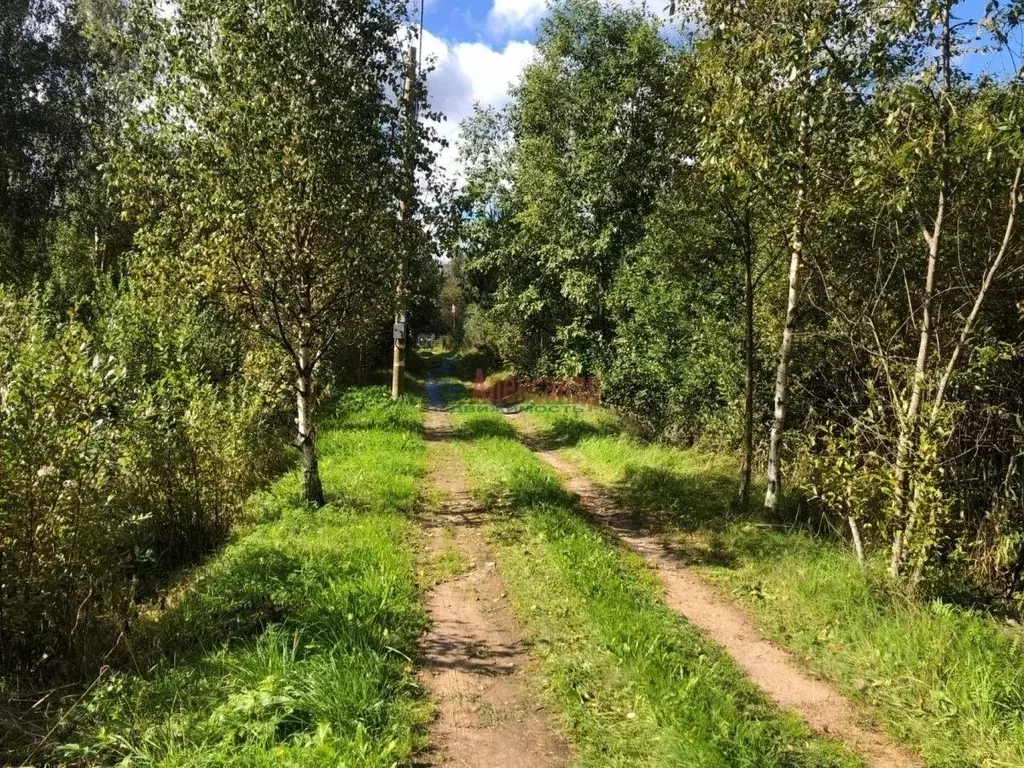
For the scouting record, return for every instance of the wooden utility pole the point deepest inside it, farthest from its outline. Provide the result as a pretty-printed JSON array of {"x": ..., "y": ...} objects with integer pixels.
[{"x": 408, "y": 242}]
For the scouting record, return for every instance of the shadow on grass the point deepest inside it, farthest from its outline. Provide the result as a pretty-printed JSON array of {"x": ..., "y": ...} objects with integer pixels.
[
  {"x": 703, "y": 506},
  {"x": 466, "y": 363},
  {"x": 679, "y": 501},
  {"x": 567, "y": 431},
  {"x": 537, "y": 492},
  {"x": 443, "y": 393},
  {"x": 236, "y": 600},
  {"x": 478, "y": 426}
]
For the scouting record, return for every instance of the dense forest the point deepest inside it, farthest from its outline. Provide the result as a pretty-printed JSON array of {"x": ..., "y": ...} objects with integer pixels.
[
  {"x": 783, "y": 232},
  {"x": 788, "y": 229},
  {"x": 194, "y": 251}
]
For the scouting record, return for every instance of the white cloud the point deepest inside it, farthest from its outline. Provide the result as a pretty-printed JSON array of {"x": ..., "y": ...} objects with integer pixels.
[
  {"x": 509, "y": 16},
  {"x": 516, "y": 14},
  {"x": 465, "y": 74}
]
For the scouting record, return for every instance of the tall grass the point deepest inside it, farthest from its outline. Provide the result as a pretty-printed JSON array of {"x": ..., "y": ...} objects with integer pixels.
[
  {"x": 946, "y": 679},
  {"x": 293, "y": 646},
  {"x": 637, "y": 685}
]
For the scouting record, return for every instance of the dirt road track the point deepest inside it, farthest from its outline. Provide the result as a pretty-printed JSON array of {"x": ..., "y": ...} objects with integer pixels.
[
  {"x": 822, "y": 707},
  {"x": 475, "y": 663}
]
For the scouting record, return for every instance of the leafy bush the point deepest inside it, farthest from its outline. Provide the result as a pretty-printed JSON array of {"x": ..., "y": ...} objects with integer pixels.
[
  {"x": 64, "y": 529},
  {"x": 122, "y": 448},
  {"x": 206, "y": 417},
  {"x": 484, "y": 331}
]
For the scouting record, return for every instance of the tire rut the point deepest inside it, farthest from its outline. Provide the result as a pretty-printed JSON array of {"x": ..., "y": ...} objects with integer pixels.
[
  {"x": 773, "y": 669},
  {"x": 474, "y": 657}
]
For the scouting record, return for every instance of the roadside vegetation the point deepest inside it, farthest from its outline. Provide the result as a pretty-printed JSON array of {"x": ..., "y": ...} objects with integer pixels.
[
  {"x": 941, "y": 676},
  {"x": 783, "y": 228},
  {"x": 635, "y": 684},
  {"x": 778, "y": 240},
  {"x": 295, "y": 644},
  {"x": 196, "y": 256}
]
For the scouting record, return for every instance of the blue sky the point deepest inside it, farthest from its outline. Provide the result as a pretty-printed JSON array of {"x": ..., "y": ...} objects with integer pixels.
[
  {"x": 468, "y": 22},
  {"x": 481, "y": 46}
]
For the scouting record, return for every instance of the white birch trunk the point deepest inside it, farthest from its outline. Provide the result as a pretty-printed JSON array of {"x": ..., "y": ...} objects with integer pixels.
[
  {"x": 910, "y": 429},
  {"x": 306, "y": 424}
]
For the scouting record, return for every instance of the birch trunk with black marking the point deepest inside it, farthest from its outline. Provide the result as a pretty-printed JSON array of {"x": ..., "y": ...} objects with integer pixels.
[
  {"x": 858, "y": 544},
  {"x": 796, "y": 253},
  {"x": 306, "y": 422}
]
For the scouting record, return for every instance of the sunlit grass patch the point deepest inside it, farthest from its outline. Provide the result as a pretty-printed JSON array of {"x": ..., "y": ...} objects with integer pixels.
[
  {"x": 948, "y": 680},
  {"x": 444, "y": 566},
  {"x": 635, "y": 683},
  {"x": 293, "y": 646}
]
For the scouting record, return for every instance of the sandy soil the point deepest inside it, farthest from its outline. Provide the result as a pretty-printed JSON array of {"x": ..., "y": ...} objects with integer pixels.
[{"x": 475, "y": 662}]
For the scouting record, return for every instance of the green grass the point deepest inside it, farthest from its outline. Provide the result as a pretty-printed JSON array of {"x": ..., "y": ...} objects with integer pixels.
[
  {"x": 947, "y": 680},
  {"x": 293, "y": 646},
  {"x": 637, "y": 685},
  {"x": 444, "y": 566}
]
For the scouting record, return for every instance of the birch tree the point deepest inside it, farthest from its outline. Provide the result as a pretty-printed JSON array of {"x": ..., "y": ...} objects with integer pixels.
[
  {"x": 265, "y": 149},
  {"x": 785, "y": 73},
  {"x": 950, "y": 150}
]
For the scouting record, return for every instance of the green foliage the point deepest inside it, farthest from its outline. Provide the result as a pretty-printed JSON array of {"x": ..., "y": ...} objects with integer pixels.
[
  {"x": 585, "y": 121},
  {"x": 122, "y": 456},
  {"x": 285, "y": 210},
  {"x": 850, "y": 481},
  {"x": 57, "y": 222},
  {"x": 63, "y": 543},
  {"x": 941, "y": 677},
  {"x": 292, "y": 646},
  {"x": 236, "y": 162},
  {"x": 45, "y": 76},
  {"x": 848, "y": 140},
  {"x": 675, "y": 368}
]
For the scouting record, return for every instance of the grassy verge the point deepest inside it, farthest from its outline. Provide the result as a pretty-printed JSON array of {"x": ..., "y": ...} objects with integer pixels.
[
  {"x": 947, "y": 680},
  {"x": 292, "y": 646},
  {"x": 638, "y": 686}
]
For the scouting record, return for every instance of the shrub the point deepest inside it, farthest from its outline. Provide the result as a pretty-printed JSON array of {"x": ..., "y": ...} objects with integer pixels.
[
  {"x": 63, "y": 524},
  {"x": 124, "y": 451}
]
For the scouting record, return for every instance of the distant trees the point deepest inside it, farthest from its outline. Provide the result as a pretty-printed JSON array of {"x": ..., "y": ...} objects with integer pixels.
[
  {"x": 44, "y": 105},
  {"x": 836, "y": 177},
  {"x": 584, "y": 167}
]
